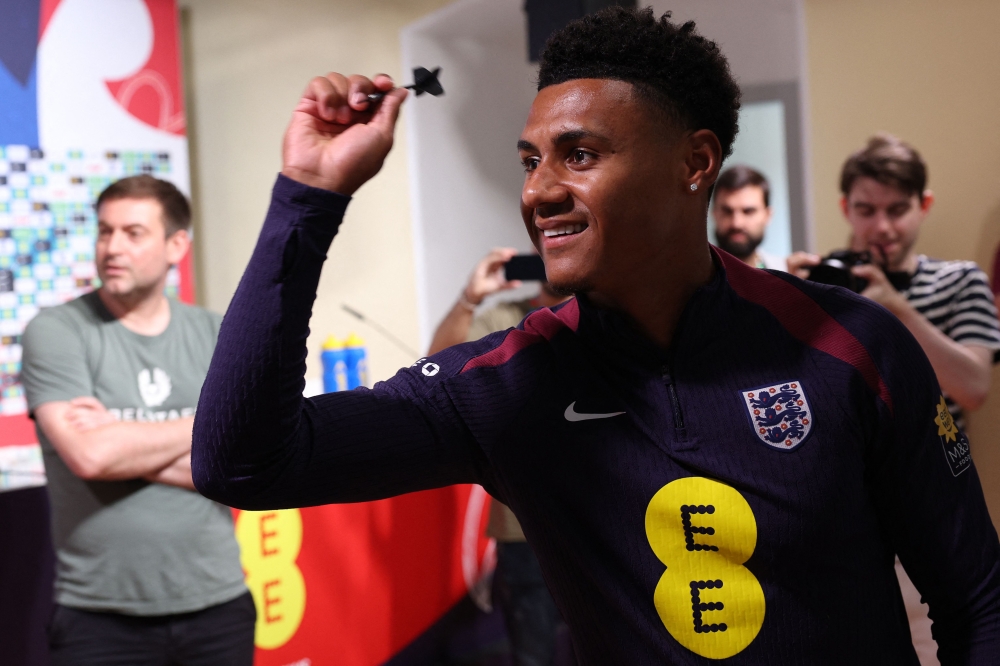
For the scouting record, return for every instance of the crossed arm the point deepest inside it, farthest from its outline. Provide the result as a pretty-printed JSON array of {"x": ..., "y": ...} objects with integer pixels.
[{"x": 96, "y": 447}]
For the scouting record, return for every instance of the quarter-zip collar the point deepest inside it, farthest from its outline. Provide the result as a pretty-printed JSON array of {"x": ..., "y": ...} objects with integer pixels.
[
  {"x": 706, "y": 317},
  {"x": 635, "y": 364}
]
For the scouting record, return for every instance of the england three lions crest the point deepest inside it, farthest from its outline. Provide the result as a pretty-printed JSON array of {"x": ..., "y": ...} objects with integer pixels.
[{"x": 780, "y": 414}]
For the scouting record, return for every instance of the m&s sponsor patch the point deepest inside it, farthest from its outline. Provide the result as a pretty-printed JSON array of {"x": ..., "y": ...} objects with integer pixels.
[{"x": 954, "y": 441}]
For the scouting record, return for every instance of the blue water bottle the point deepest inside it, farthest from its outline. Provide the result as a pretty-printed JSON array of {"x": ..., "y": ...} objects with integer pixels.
[
  {"x": 357, "y": 361},
  {"x": 334, "y": 365}
]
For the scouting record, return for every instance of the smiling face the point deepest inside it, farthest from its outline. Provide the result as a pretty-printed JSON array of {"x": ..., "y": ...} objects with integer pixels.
[
  {"x": 885, "y": 221},
  {"x": 607, "y": 181},
  {"x": 133, "y": 252}
]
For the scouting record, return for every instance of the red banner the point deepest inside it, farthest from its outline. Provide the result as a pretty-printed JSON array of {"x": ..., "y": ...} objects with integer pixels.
[{"x": 353, "y": 584}]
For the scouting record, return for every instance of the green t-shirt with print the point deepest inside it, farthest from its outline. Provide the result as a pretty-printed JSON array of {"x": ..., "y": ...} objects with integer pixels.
[{"x": 130, "y": 546}]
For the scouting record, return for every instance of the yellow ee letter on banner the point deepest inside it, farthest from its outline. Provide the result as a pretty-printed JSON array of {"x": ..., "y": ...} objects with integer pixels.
[
  {"x": 703, "y": 531},
  {"x": 269, "y": 545}
]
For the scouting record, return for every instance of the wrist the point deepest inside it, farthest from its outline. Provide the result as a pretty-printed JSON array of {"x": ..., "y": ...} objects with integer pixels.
[
  {"x": 313, "y": 180},
  {"x": 471, "y": 296},
  {"x": 466, "y": 303}
]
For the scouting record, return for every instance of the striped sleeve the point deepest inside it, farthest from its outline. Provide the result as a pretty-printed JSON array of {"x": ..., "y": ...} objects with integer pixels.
[{"x": 955, "y": 296}]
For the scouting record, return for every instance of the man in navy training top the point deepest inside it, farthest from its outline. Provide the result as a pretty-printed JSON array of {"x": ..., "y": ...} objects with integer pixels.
[{"x": 712, "y": 462}]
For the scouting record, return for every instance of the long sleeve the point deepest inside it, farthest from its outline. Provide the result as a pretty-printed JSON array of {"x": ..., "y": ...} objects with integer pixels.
[
  {"x": 259, "y": 444},
  {"x": 930, "y": 502}
]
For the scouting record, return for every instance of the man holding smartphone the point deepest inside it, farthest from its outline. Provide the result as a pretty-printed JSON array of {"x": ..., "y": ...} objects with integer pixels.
[
  {"x": 490, "y": 276},
  {"x": 529, "y": 612}
]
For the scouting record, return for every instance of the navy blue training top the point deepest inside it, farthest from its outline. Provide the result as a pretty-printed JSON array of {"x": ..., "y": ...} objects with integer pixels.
[{"x": 739, "y": 498}]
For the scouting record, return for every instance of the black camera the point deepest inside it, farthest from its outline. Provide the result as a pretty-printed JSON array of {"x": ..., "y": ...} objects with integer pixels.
[{"x": 835, "y": 269}]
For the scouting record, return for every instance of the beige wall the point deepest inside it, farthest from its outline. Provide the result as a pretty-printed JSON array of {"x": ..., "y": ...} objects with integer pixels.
[
  {"x": 246, "y": 64},
  {"x": 929, "y": 71}
]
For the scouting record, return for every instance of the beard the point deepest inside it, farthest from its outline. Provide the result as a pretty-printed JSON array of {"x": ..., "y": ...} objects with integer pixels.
[{"x": 739, "y": 249}]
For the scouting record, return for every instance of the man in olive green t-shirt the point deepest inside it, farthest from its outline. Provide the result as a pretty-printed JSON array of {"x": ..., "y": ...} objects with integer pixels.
[{"x": 148, "y": 570}]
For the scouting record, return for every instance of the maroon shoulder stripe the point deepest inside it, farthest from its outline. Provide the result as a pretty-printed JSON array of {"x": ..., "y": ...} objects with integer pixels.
[
  {"x": 540, "y": 325},
  {"x": 804, "y": 319}
]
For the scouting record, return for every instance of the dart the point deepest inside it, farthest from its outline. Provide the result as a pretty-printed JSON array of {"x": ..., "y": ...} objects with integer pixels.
[{"x": 424, "y": 81}]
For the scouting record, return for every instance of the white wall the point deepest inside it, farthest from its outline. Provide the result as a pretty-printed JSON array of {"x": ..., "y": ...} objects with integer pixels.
[{"x": 465, "y": 174}]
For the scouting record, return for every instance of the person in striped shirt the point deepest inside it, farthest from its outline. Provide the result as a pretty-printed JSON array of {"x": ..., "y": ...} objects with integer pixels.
[{"x": 948, "y": 306}]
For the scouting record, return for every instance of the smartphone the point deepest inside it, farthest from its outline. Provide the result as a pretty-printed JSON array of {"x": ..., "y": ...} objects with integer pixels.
[{"x": 525, "y": 267}]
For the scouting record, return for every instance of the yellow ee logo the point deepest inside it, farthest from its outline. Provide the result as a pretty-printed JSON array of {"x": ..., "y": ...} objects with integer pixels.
[
  {"x": 269, "y": 545},
  {"x": 703, "y": 531}
]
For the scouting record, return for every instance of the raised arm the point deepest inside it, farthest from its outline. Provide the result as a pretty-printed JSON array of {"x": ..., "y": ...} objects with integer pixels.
[
  {"x": 257, "y": 443},
  {"x": 965, "y": 371}
]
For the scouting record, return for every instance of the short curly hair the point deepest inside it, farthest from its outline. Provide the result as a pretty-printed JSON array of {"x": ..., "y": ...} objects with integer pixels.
[{"x": 671, "y": 65}]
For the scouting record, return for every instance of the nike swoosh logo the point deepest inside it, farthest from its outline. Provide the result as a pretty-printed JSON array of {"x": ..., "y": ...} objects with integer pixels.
[{"x": 573, "y": 415}]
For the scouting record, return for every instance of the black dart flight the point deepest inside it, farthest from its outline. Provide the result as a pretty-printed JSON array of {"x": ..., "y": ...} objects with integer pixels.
[{"x": 424, "y": 81}]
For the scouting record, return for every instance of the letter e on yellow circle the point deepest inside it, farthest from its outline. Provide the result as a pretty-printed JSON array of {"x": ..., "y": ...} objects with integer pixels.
[
  {"x": 703, "y": 531},
  {"x": 269, "y": 545}
]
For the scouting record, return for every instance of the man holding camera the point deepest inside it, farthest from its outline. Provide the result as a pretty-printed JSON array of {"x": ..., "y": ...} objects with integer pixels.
[{"x": 947, "y": 305}]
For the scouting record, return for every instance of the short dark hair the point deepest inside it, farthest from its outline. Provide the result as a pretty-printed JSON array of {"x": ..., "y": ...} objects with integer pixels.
[
  {"x": 671, "y": 65},
  {"x": 176, "y": 209},
  {"x": 740, "y": 176},
  {"x": 889, "y": 160}
]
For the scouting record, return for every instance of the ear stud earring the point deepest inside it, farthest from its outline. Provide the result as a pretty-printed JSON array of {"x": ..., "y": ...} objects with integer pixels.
[{"x": 694, "y": 187}]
